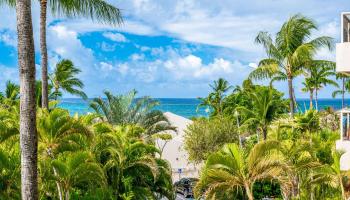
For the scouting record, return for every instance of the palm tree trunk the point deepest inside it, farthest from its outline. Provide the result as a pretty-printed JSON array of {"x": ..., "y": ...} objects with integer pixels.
[
  {"x": 67, "y": 195},
  {"x": 43, "y": 49},
  {"x": 56, "y": 93},
  {"x": 59, "y": 190},
  {"x": 311, "y": 98},
  {"x": 343, "y": 93},
  {"x": 316, "y": 99},
  {"x": 248, "y": 192},
  {"x": 291, "y": 96},
  {"x": 342, "y": 189},
  {"x": 28, "y": 135},
  {"x": 264, "y": 132}
]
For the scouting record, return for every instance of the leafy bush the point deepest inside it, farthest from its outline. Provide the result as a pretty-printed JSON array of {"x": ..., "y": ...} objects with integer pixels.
[{"x": 205, "y": 136}]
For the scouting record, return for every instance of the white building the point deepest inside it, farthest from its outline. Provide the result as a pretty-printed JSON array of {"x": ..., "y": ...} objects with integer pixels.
[
  {"x": 343, "y": 66},
  {"x": 344, "y": 143},
  {"x": 343, "y": 48}
]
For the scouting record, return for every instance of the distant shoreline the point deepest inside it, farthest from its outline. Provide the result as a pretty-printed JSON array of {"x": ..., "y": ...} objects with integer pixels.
[{"x": 187, "y": 107}]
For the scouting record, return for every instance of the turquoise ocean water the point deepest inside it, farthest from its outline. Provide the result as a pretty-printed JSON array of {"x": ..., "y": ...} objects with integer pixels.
[{"x": 188, "y": 107}]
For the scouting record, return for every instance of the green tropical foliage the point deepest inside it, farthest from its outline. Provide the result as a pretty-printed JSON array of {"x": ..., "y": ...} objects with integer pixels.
[
  {"x": 231, "y": 172},
  {"x": 267, "y": 105},
  {"x": 205, "y": 136},
  {"x": 114, "y": 152}
]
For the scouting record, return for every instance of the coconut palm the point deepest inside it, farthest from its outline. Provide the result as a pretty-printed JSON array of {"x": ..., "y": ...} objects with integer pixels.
[
  {"x": 98, "y": 10},
  {"x": 320, "y": 73},
  {"x": 345, "y": 86},
  {"x": 64, "y": 78},
  {"x": 231, "y": 171},
  {"x": 126, "y": 109},
  {"x": 28, "y": 136},
  {"x": 266, "y": 106},
  {"x": 289, "y": 52}
]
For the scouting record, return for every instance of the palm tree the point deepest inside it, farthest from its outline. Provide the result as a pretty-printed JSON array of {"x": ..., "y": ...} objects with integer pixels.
[
  {"x": 130, "y": 164},
  {"x": 58, "y": 133},
  {"x": 300, "y": 157},
  {"x": 98, "y": 10},
  {"x": 266, "y": 106},
  {"x": 231, "y": 170},
  {"x": 309, "y": 87},
  {"x": 126, "y": 109},
  {"x": 75, "y": 169},
  {"x": 345, "y": 86},
  {"x": 11, "y": 94},
  {"x": 216, "y": 97},
  {"x": 64, "y": 77},
  {"x": 289, "y": 52},
  {"x": 28, "y": 136},
  {"x": 319, "y": 76},
  {"x": 220, "y": 87}
]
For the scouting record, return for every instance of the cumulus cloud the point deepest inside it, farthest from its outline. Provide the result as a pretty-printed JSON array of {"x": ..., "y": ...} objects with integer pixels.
[
  {"x": 116, "y": 37},
  {"x": 9, "y": 38}
]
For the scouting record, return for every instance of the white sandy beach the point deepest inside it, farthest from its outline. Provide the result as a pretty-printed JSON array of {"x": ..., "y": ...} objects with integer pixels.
[{"x": 174, "y": 150}]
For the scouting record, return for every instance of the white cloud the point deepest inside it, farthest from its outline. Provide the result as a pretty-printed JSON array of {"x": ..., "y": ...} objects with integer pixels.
[
  {"x": 116, "y": 37},
  {"x": 253, "y": 65},
  {"x": 8, "y": 73},
  {"x": 9, "y": 38},
  {"x": 106, "y": 66},
  {"x": 136, "y": 57},
  {"x": 192, "y": 68}
]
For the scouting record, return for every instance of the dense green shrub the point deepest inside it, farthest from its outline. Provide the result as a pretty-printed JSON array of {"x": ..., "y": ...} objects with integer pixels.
[{"x": 205, "y": 136}]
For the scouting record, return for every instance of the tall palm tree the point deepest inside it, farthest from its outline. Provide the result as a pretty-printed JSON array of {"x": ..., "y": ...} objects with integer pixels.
[
  {"x": 345, "y": 87},
  {"x": 64, "y": 78},
  {"x": 28, "y": 136},
  {"x": 289, "y": 52},
  {"x": 98, "y": 10},
  {"x": 320, "y": 74},
  {"x": 231, "y": 170}
]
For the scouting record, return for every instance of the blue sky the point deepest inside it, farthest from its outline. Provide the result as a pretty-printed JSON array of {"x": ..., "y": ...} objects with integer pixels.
[{"x": 169, "y": 48}]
